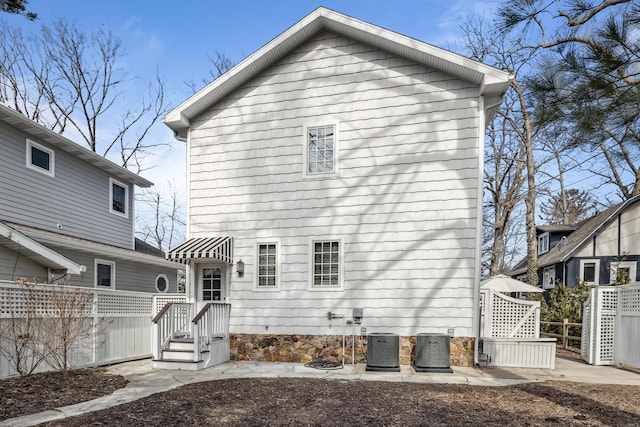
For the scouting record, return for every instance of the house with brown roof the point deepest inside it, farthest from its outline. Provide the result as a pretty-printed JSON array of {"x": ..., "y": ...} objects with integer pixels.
[{"x": 601, "y": 250}]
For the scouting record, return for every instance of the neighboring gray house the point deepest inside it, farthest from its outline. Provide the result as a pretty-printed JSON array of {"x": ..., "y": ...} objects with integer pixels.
[
  {"x": 67, "y": 215},
  {"x": 342, "y": 164},
  {"x": 601, "y": 250}
]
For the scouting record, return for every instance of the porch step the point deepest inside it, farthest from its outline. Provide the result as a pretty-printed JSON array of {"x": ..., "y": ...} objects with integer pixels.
[
  {"x": 177, "y": 354},
  {"x": 180, "y": 365},
  {"x": 180, "y": 345}
]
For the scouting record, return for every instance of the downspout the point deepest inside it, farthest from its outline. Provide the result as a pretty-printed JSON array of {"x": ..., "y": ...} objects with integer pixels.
[{"x": 478, "y": 250}]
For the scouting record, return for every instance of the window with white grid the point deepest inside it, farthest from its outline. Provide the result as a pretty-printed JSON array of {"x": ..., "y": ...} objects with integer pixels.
[
  {"x": 267, "y": 274},
  {"x": 320, "y": 150},
  {"x": 326, "y": 264}
]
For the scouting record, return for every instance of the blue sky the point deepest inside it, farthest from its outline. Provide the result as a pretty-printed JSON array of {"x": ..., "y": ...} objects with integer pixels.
[{"x": 176, "y": 38}]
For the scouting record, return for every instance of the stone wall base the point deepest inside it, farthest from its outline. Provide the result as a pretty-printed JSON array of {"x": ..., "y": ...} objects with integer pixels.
[{"x": 308, "y": 348}]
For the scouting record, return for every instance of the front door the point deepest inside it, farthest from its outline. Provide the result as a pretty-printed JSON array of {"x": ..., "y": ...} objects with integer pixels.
[{"x": 211, "y": 283}]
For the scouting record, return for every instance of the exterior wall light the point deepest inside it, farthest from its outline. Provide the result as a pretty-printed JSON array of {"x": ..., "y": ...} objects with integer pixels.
[{"x": 240, "y": 268}]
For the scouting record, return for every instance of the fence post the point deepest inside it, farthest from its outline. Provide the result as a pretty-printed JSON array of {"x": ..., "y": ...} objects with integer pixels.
[{"x": 565, "y": 333}]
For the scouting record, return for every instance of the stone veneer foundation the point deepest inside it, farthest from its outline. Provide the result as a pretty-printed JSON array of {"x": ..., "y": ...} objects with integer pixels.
[{"x": 308, "y": 348}]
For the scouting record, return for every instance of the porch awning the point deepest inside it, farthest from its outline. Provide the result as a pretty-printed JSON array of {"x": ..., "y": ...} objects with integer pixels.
[{"x": 219, "y": 248}]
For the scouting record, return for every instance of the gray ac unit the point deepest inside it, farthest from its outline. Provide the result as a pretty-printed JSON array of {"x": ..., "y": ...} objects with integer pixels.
[
  {"x": 432, "y": 353},
  {"x": 383, "y": 352}
]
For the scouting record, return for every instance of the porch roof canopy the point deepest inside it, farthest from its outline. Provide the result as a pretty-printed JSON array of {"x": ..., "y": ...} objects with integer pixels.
[{"x": 219, "y": 248}]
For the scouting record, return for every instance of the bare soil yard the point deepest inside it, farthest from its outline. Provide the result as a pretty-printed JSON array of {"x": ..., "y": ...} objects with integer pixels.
[{"x": 310, "y": 402}]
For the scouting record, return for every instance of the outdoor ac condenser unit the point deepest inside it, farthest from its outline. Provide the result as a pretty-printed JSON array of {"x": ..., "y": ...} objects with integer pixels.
[
  {"x": 432, "y": 353},
  {"x": 383, "y": 352}
]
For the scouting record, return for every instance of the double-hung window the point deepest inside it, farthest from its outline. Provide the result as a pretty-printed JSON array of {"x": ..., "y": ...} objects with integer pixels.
[
  {"x": 549, "y": 277},
  {"x": 105, "y": 274},
  {"x": 623, "y": 272},
  {"x": 267, "y": 274},
  {"x": 40, "y": 158},
  {"x": 320, "y": 150},
  {"x": 118, "y": 198},
  {"x": 326, "y": 264},
  {"x": 590, "y": 271},
  {"x": 543, "y": 243}
]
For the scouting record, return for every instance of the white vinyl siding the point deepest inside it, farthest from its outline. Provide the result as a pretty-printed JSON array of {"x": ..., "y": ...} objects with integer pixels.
[
  {"x": 403, "y": 203},
  {"x": 40, "y": 158}
]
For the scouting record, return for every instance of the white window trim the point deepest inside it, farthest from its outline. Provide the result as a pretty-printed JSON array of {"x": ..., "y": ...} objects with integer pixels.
[
  {"x": 126, "y": 198},
  {"x": 166, "y": 279},
  {"x": 336, "y": 145},
  {"x": 52, "y": 159},
  {"x": 340, "y": 286},
  {"x": 631, "y": 265},
  {"x": 544, "y": 237},
  {"x": 597, "y": 272},
  {"x": 545, "y": 276},
  {"x": 278, "y": 264},
  {"x": 97, "y": 261}
]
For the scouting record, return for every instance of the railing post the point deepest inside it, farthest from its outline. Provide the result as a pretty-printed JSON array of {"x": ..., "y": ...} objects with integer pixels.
[{"x": 565, "y": 333}]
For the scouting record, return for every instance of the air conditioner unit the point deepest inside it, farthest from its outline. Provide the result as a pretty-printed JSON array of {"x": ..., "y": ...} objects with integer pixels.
[
  {"x": 383, "y": 352},
  {"x": 432, "y": 353}
]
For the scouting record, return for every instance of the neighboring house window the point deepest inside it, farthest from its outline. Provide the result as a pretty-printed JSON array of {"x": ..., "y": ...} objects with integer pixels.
[
  {"x": 543, "y": 243},
  {"x": 119, "y": 197},
  {"x": 268, "y": 268},
  {"x": 320, "y": 150},
  {"x": 590, "y": 271},
  {"x": 40, "y": 158},
  {"x": 623, "y": 272},
  {"x": 327, "y": 266},
  {"x": 105, "y": 274},
  {"x": 549, "y": 277},
  {"x": 162, "y": 283}
]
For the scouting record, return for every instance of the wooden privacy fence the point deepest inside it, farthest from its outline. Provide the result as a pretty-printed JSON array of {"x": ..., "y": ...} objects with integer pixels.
[
  {"x": 565, "y": 336},
  {"x": 121, "y": 320}
]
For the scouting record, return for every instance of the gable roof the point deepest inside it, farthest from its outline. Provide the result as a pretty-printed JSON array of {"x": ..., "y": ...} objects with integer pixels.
[
  {"x": 493, "y": 82},
  {"x": 56, "y": 240},
  {"x": 584, "y": 232},
  {"x": 41, "y": 133},
  {"x": 18, "y": 242}
]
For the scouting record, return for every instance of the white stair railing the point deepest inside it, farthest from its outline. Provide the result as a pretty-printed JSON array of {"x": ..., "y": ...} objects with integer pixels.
[
  {"x": 172, "y": 319},
  {"x": 211, "y": 322}
]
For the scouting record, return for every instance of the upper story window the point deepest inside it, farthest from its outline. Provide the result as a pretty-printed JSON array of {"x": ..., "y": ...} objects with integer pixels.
[
  {"x": 543, "y": 243},
  {"x": 268, "y": 269},
  {"x": 105, "y": 274},
  {"x": 40, "y": 158},
  {"x": 590, "y": 271},
  {"x": 118, "y": 198},
  {"x": 326, "y": 264},
  {"x": 321, "y": 150},
  {"x": 623, "y": 272},
  {"x": 162, "y": 283},
  {"x": 549, "y": 277}
]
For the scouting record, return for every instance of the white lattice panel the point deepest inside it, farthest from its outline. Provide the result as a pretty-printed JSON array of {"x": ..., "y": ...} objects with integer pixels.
[
  {"x": 119, "y": 304},
  {"x": 44, "y": 300},
  {"x": 607, "y": 336},
  {"x": 160, "y": 301},
  {"x": 629, "y": 299},
  {"x": 507, "y": 316},
  {"x": 608, "y": 298}
]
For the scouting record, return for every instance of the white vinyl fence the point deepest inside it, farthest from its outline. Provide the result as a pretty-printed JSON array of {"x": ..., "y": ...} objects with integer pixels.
[
  {"x": 611, "y": 326},
  {"x": 510, "y": 333},
  {"x": 121, "y": 319}
]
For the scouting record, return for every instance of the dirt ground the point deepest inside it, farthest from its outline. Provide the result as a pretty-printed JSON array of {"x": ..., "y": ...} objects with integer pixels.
[{"x": 311, "y": 402}]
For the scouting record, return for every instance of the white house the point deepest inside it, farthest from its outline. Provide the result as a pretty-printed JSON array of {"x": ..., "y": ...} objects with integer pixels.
[{"x": 338, "y": 167}]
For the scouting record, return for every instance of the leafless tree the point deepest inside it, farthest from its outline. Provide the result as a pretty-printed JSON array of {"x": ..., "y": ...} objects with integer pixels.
[
  {"x": 68, "y": 80},
  {"x": 163, "y": 228},
  {"x": 219, "y": 64}
]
